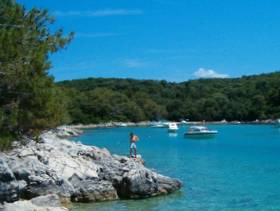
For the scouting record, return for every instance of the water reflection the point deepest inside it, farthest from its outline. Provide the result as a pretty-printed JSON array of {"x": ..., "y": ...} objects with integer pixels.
[{"x": 172, "y": 135}]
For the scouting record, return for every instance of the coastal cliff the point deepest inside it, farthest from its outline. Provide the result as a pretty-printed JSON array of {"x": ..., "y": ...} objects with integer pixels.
[{"x": 75, "y": 172}]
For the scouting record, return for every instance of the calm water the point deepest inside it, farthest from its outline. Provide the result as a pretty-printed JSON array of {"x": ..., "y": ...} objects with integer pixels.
[{"x": 239, "y": 169}]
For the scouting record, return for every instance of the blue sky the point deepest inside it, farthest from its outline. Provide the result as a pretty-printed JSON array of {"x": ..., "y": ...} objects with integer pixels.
[{"x": 174, "y": 40}]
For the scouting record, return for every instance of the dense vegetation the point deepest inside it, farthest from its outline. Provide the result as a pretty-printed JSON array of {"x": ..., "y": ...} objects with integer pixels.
[
  {"x": 244, "y": 99},
  {"x": 29, "y": 99}
]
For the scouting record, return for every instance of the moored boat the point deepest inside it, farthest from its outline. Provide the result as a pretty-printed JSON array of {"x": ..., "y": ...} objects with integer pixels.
[
  {"x": 200, "y": 131},
  {"x": 184, "y": 122},
  {"x": 121, "y": 124},
  {"x": 224, "y": 121},
  {"x": 157, "y": 125},
  {"x": 166, "y": 124},
  {"x": 172, "y": 127}
]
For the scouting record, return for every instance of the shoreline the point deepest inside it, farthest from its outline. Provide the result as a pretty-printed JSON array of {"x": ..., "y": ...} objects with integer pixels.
[{"x": 148, "y": 123}]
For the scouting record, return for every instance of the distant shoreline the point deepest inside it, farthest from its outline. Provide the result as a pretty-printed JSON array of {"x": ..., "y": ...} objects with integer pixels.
[{"x": 148, "y": 123}]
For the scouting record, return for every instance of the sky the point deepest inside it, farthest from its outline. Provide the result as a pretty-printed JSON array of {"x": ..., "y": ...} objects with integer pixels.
[{"x": 173, "y": 40}]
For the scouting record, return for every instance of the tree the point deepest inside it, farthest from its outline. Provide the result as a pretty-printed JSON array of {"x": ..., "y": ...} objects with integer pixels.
[
  {"x": 151, "y": 109},
  {"x": 29, "y": 99},
  {"x": 107, "y": 105}
]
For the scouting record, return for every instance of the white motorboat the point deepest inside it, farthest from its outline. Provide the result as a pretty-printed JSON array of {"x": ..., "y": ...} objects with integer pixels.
[
  {"x": 157, "y": 125},
  {"x": 172, "y": 127},
  {"x": 184, "y": 122},
  {"x": 166, "y": 124},
  {"x": 200, "y": 131}
]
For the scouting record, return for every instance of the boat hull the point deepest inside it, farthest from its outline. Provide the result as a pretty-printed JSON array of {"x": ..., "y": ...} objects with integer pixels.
[
  {"x": 210, "y": 134},
  {"x": 157, "y": 126},
  {"x": 172, "y": 130}
]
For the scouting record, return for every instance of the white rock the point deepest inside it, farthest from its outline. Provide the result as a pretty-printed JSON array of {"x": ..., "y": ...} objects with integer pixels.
[{"x": 43, "y": 203}]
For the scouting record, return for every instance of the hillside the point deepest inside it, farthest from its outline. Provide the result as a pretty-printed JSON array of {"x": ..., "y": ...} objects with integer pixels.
[{"x": 245, "y": 99}]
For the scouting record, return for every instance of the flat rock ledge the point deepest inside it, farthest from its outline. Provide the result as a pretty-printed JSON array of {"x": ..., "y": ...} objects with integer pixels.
[
  {"x": 50, "y": 202},
  {"x": 73, "y": 172}
]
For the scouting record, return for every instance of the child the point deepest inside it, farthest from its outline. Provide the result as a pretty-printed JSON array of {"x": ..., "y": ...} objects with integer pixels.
[{"x": 133, "y": 139}]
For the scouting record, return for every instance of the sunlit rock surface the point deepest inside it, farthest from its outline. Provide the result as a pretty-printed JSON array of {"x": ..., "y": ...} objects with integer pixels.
[{"x": 75, "y": 172}]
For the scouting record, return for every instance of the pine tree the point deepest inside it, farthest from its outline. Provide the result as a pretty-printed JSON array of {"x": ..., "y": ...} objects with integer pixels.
[{"x": 29, "y": 99}]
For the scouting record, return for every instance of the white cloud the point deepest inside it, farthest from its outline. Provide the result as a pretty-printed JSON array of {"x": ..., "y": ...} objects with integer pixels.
[
  {"x": 96, "y": 35},
  {"x": 99, "y": 13},
  {"x": 208, "y": 73}
]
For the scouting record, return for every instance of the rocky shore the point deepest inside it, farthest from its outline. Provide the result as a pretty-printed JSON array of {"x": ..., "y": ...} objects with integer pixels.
[
  {"x": 148, "y": 123},
  {"x": 72, "y": 172},
  {"x": 111, "y": 124}
]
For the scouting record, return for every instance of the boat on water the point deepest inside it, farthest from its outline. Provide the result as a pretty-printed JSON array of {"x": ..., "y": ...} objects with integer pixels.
[
  {"x": 157, "y": 125},
  {"x": 200, "y": 131},
  {"x": 184, "y": 122},
  {"x": 172, "y": 127},
  {"x": 165, "y": 124},
  {"x": 277, "y": 122},
  {"x": 224, "y": 121},
  {"x": 160, "y": 124},
  {"x": 122, "y": 124}
]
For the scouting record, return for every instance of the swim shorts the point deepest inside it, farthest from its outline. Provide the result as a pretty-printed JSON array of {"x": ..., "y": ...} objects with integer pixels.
[{"x": 132, "y": 146}]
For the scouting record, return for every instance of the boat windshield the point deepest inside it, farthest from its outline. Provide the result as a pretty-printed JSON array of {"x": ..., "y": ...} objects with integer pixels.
[{"x": 198, "y": 128}]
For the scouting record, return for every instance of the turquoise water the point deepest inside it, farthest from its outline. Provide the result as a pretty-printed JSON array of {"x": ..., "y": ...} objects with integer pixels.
[{"x": 239, "y": 169}]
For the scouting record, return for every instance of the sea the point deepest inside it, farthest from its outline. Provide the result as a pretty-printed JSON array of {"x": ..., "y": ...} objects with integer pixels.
[{"x": 238, "y": 169}]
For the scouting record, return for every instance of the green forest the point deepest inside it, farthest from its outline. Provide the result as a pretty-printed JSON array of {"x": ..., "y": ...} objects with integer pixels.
[
  {"x": 31, "y": 101},
  {"x": 247, "y": 98}
]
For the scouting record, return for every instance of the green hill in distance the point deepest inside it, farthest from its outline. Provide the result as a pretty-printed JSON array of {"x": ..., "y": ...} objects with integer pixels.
[{"x": 247, "y": 98}]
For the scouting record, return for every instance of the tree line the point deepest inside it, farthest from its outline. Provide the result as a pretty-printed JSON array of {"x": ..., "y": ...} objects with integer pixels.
[{"x": 244, "y": 99}]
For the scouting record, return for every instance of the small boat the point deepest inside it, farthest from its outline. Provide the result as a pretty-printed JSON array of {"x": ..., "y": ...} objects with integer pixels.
[
  {"x": 122, "y": 124},
  {"x": 166, "y": 124},
  {"x": 184, "y": 122},
  {"x": 172, "y": 127},
  {"x": 277, "y": 122},
  {"x": 224, "y": 121},
  {"x": 157, "y": 125},
  {"x": 200, "y": 131},
  {"x": 235, "y": 122}
]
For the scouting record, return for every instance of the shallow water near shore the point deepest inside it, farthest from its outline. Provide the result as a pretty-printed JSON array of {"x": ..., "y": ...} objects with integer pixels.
[{"x": 239, "y": 169}]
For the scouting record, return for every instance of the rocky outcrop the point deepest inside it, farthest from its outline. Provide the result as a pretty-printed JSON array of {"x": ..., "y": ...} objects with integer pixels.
[
  {"x": 9, "y": 187},
  {"x": 49, "y": 202},
  {"x": 66, "y": 131},
  {"x": 75, "y": 172}
]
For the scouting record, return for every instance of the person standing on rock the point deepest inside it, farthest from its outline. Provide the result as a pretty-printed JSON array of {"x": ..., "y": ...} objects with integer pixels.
[{"x": 133, "y": 139}]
